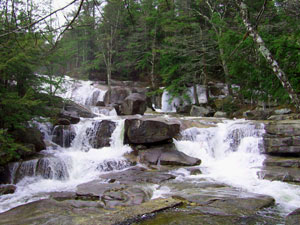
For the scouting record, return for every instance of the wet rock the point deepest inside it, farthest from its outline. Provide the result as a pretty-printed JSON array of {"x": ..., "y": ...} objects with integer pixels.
[
  {"x": 117, "y": 95},
  {"x": 167, "y": 155},
  {"x": 147, "y": 131},
  {"x": 201, "y": 111},
  {"x": 195, "y": 171},
  {"x": 257, "y": 114},
  {"x": 183, "y": 108},
  {"x": 32, "y": 136},
  {"x": 71, "y": 116},
  {"x": 290, "y": 162},
  {"x": 281, "y": 174},
  {"x": 282, "y": 138},
  {"x": 63, "y": 135},
  {"x": 62, "y": 121},
  {"x": 80, "y": 110},
  {"x": 220, "y": 114},
  {"x": 7, "y": 189},
  {"x": 138, "y": 175},
  {"x": 100, "y": 135},
  {"x": 293, "y": 218},
  {"x": 100, "y": 103},
  {"x": 135, "y": 103}
]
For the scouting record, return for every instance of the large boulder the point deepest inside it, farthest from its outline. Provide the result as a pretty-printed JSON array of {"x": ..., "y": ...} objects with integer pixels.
[
  {"x": 70, "y": 116},
  {"x": 100, "y": 135},
  {"x": 167, "y": 155},
  {"x": 201, "y": 111},
  {"x": 293, "y": 218},
  {"x": 79, "y": 110},
  {"x": 149, "y": 131},
  {"x": 135, "y": 103},
  {"x": 117, "y": 95},
  {"x": 63, "y": 135}
]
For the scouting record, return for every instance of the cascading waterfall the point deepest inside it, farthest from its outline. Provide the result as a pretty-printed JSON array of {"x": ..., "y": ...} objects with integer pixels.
[
  {"x": 232, "y": 153},
  {"x": 62, "y": 169}
]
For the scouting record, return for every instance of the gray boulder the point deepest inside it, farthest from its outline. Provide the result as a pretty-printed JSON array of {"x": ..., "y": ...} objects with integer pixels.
[
  {"x": 135, "y": 103},
  {"x": 201, "y": 111},
  {"x": 70, "y": 116},
  {"x": 80, "y": 110},
  {"x": 63, "y": 135},
  {"x": 148, "y": 131},
  {"x": 100, "y": 135},
  {"x": 220, "y": 114},
  {"x": 167, "y": 155},
  {"x": 117, "y": 95}
]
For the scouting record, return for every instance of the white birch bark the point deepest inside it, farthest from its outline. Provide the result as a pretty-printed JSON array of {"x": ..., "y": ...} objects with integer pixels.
[{"x": 280, "y": 74}]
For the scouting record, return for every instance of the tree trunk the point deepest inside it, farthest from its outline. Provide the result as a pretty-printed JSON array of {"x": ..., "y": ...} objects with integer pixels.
[{"x": 268, "y": 56}]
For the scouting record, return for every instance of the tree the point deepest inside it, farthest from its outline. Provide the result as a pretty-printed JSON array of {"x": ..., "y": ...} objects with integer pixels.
[{"x": 280, "y": 74}]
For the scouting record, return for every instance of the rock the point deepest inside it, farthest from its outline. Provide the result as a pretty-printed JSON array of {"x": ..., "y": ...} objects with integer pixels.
[
  {"x": 80, "y": 110},
  {"x": 138, "y": 175},
  {"x": 167, "y": 155},
  {"x": 70, "y": 116},
  {"x": 100, "y": 103},
  {"x": 113, "y": 195},
  {"x": 5, "y": 175},
  {"x": 117, "y": 95},
  {"x": 70, "y": 212},
  {"x": 282, "y": 111},
  {"x": 148, "y": 131},
  {"x": 100, "y": 135},
  {"x": 135, "y": 103},
  {"x": 30, "y": 135},
  {"x": 7, "y": 189},
  {"x": 63, "y": 135},
  {"x": 257, "y": 114},
  {"x": 281, "y": 174},
  {"x": 195, "y": 171},
  {"x": 293, "y": 116},
  {"x": 293, "y": 218},
  {"x": 62, "y": 121},
  {"x": 282, "y": 138},
  {"x": 183, "y": 108},
  {"x": 289, "y": 162},
  {"x": 201, "y": 111},
  {"x": 220, "y": 114}
]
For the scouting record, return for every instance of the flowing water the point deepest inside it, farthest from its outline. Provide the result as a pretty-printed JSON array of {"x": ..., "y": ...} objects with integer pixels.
[{"x": 231, "y": 152}]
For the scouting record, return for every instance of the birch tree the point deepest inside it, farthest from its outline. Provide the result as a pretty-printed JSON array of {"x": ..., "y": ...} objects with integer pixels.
[{"x": 262, "y": 48}]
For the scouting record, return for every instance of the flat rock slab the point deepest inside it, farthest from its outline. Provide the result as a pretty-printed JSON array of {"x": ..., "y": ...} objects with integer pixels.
[
  {"x": 281, "y": 174},
  {"x": 112, "y": 195},
  {"x": 68, "y": 212},
  {"x": 293, "y": 218},
  {"x": 289, "y": 162},
  {"x": 137, "y": 175}
]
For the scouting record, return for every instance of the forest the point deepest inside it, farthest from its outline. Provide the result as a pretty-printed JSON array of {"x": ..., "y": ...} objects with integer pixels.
[{"x": 251, "y": 45}]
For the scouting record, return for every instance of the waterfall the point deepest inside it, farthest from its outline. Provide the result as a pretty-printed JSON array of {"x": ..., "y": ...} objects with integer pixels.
[
  {"x": 232, "y": 153},
  {"x": 169, "y": 105}
]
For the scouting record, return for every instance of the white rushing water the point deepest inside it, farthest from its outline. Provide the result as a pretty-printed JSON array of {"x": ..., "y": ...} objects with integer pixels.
[
  {"x": 232, "y": 153},
  {"x": 65, "y": 168}
]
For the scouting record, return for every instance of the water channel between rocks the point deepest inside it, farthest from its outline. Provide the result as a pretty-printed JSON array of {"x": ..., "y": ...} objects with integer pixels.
[{"x": 231, "y": 154}]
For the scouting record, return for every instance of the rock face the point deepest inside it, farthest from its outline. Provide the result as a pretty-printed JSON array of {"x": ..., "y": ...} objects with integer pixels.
[
  {"x": 135, "y": 103},
  {"x": 70, "y": 116},
  {"x": 293, "y": 218},
  {"x": 101, "y": 134},
  {"x": 167, "y": 155},
  {"x": 149, "y": 131},
  {"x": 63, "y": 135},
  {"x": 282, "y": 138}
]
